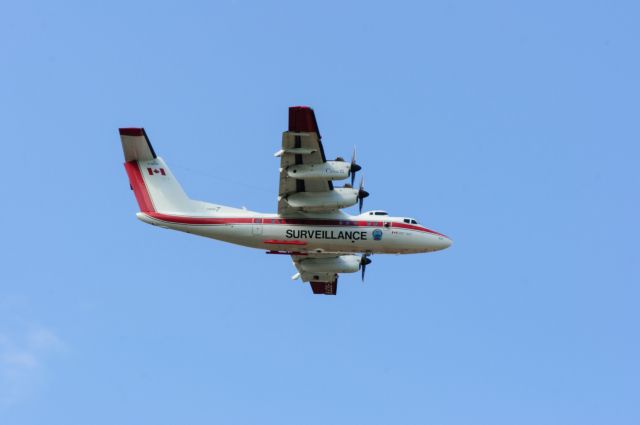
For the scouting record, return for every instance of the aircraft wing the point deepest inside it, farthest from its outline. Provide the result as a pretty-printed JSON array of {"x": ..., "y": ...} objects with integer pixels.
[
  {"x": 300, "y": 145},
  {"x": 322, "y": 283}
]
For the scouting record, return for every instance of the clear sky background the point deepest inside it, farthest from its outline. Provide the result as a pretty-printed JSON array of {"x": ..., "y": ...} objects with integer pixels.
[{"x": 510, "y": 126}]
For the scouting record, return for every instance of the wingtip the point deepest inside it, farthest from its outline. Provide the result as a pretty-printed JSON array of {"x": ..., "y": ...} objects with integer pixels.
[{"x": 303, "y": 119}]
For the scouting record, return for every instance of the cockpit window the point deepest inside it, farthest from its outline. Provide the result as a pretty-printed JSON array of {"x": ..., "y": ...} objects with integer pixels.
[
  {"x": 381, "y": 213},
  {"x": 414, "y": 222},
  {"x": 406, "y": 220}
]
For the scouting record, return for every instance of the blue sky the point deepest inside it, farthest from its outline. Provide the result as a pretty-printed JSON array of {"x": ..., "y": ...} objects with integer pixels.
[{"x": 510, "y": 126}]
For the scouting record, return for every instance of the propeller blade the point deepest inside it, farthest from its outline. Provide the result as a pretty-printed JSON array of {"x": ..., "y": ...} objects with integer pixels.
[
  {"x": 361, "y": 194},
  {"x": 363, "y": 264},
  {"x": 354, "y": 167}
]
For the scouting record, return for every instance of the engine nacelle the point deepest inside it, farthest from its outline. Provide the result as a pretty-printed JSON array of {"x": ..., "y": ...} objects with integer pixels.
[
  {"x": 341, "y": 197},
  {"x": 341, "y": 264},
  {"x": 330, "y": 170}
]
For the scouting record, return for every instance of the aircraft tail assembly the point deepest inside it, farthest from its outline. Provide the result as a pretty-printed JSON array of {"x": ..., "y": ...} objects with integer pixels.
[{"x": 154, "y": 185}]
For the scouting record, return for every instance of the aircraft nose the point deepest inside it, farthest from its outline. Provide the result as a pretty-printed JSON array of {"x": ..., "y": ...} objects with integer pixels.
[{"x": 443, "y": 242}]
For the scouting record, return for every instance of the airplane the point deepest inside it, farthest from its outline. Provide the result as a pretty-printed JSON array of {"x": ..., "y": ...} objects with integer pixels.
[{"x": 310, "y": 226}]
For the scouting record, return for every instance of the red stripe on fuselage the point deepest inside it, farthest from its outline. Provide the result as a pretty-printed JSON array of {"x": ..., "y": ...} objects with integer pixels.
[
  {"x": 180, "y": 219},
  {"x": 414, "y": 227},
  {"x": 139, "y": 187},
  {"x": 277, "y": 242},
  {"x": 283, "y": 221}
]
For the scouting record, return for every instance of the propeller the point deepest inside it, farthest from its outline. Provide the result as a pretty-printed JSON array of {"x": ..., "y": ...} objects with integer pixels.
[
  {"x": 361, "y": 194},
  {"x": 354, "y": 167},
  {"x": 363, "y": 264}
]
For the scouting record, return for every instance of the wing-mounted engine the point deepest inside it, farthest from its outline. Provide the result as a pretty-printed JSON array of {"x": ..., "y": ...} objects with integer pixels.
[
  {"x": 322, "y": 271},
  {"x": 340, "y": 197},
  {"x": 330, "y": 170},
  {"x": 341, "y": 264}
]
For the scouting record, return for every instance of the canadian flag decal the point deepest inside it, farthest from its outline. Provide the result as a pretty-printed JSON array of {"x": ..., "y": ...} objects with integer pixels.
[{"x": 153, "y": 171}]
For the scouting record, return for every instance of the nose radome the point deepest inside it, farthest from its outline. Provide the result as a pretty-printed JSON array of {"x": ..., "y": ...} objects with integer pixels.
[{"x": 444, "y": 242}]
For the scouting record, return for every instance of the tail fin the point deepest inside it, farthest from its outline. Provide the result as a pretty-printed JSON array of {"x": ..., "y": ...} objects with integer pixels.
[{"x": 155, "y": 187}]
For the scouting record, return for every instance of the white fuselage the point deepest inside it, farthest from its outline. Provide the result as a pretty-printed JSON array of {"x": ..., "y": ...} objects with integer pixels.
[{"x": 319, "y": 233}]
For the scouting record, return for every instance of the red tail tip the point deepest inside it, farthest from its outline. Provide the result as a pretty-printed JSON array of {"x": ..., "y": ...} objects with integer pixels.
[{"x": 131, "y": 131}]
